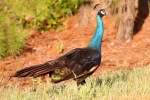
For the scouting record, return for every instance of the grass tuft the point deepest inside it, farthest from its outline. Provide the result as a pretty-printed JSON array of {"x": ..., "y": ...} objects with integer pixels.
[{"x": 122, "y": 84}]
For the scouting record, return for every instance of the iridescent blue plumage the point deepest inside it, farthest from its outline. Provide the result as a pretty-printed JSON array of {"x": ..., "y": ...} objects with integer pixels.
[{"x": 97, "y": 38}]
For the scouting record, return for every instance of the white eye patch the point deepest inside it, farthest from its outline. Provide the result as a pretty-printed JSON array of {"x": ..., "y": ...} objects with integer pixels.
[{"x": 102, "y": 12}]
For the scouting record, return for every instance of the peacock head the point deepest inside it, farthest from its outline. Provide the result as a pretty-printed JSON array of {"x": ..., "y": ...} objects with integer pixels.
[{"x": 101, "y": 13}]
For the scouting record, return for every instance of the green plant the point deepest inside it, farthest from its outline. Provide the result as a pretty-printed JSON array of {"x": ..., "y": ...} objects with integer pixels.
[
  {"x": 12, "y": 34},
  {"x": 115, "y": 2},
  {"x": 18, "y": 15},
  {"x": 45, "y": 13}
]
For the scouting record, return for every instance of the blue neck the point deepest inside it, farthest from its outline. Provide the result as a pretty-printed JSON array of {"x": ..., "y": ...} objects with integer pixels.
[{"x": 97, "y": 38}]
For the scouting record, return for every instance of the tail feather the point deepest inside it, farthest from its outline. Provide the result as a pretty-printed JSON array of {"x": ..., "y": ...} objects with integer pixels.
[
  {"x": 37, "y": 70},
  {"x": 27, "y": 70}
]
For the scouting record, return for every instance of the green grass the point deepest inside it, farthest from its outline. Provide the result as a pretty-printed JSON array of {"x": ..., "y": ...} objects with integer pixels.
[
  {"x": 129, "y": 84},
  {"x": 12, "y": 34},
  {"x": 17, "y": 16},
  {"x": 45, "y": 13}
]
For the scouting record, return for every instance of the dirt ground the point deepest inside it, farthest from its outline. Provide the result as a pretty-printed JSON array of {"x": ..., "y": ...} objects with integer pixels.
[{"x": 41, "y": 47}]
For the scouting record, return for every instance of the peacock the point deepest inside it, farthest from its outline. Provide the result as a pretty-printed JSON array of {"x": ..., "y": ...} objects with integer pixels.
[{"x": 76, "y": 64}]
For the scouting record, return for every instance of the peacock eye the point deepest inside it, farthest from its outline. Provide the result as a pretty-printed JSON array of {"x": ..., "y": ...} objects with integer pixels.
[{"x": 102, "y": 12}]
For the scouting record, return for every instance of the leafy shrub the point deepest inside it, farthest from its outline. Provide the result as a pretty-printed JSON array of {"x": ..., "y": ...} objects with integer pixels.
[
  {"x": 12, "y": 35},
  {"x": 45, "y": 13},
  {"x": 18, "y": 15}
]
